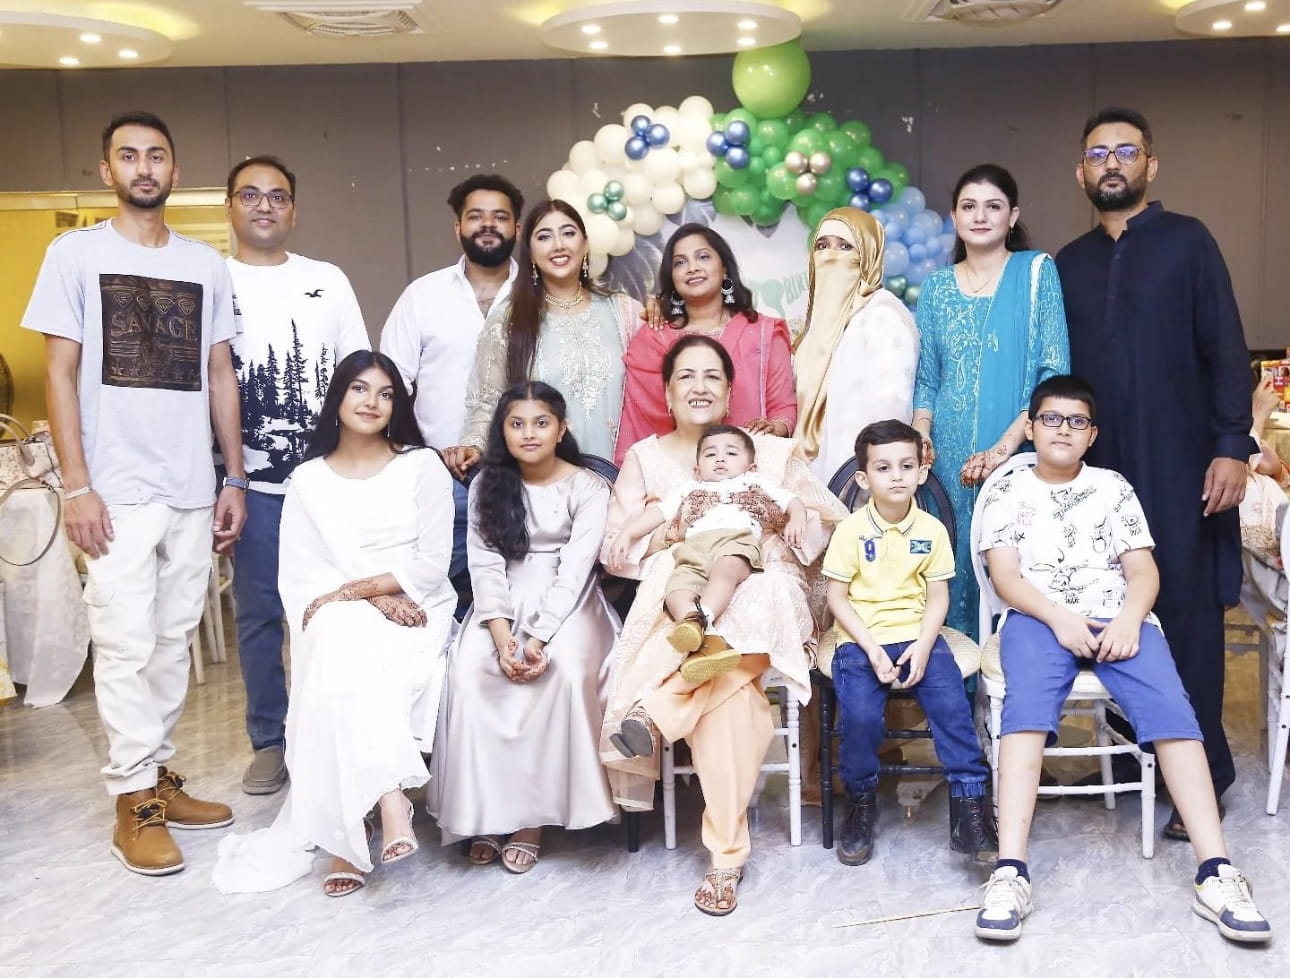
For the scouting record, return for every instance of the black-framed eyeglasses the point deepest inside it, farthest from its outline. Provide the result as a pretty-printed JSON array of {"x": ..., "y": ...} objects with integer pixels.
[
  {"x": 1051, "y": 419},
  {"x": 278, "y": 199},
  {"x": 1126, "y": 153}
]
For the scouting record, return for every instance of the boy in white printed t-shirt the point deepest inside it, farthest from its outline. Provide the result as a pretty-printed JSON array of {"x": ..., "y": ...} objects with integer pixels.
[
  {"x": 722, "y": 518},
  {"x": 1069, "y": 551}
]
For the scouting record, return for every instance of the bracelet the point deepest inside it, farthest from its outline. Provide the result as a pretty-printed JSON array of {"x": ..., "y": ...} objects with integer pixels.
[{"x": 76, "y": 493}]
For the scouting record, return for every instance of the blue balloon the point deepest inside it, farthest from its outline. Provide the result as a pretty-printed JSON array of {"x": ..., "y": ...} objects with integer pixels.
[
  {"x": 913, "y": 200},
  {"x": 738, "y": 133},
  {"x": 918, "y": 271},
  {"x": 914, "y": 235},
  {"x": 857, "y": 179},
  {"x": 640, "y": 124},
  {"x": 881, "y": 216},
  {"x": 657, "y": 135},
  {"x": 895, "y": 259},
  {"x": 860, "y": 202},
  {"x": 934, "y": 247},
  {"x": 880, "y": 191},
  {"x": 737, "y": 157},
  {"x": 948, "y": 226},
  {"x": 898, "y": 220},
  {"x": 717, "y": 144},
  {"x": 917, "y": 252},
  {"x": 947, "y": 242},
  {"x": 930, "y": 222},
  {"x": 636, "y": 148}
]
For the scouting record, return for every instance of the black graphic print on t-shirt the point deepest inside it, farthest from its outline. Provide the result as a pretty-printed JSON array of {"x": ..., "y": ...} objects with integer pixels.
[{"x": 152, "y": 332}]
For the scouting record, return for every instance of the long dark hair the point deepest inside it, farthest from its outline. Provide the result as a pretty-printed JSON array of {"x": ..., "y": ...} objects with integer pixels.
[
  {"x": 527, "y": 294},
  {"x": 689, "y": 342},
  {"x": 667, "y": 288},
  {"x": 500, "y": 492},
  {"x": 1018, "y": 238},
  {"x": 403, "y": 428}
]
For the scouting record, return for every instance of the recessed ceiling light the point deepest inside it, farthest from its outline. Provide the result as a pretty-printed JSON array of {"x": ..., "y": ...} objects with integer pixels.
[
  {"x": 1283, "y": 28},
  {"x": 598, "y": 45},
  {"x": 91, "y": 38},
  {"x": 1255, "y": 7},
  {"x": 671, "y": 49},
  {"x": 668, "y": 19},
  {"x": 67, "y": 61},
  {"x": 746, "y": 41},
  {"x": 1222, "y": 25},
  {"x": 591, "y": 28},
  {"x": 747, "y": 24},
  {"x": 129, "y": 54}
]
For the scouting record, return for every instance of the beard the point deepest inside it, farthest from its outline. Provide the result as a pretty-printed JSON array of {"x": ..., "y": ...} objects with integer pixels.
[
  {"x": 487, "y": 256},
  {"x": 137, "y": 199},
  {"x": 1120, "y": 198}
]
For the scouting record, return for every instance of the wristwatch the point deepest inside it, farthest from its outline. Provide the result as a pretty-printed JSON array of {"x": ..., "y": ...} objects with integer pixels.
[{"x": 236, "y": 482}]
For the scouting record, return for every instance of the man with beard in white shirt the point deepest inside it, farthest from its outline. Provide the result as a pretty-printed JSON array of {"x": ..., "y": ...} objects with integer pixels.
[
  {"x": 434, "y": 327},
  {"x": 300, "y": 318}
]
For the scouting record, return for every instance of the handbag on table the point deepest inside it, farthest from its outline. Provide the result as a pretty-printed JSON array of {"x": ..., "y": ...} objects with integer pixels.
[{"x": 28, "y": 461}]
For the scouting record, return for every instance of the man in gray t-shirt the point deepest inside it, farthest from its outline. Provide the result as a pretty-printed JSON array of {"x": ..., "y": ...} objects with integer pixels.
[{"x": 137, "y": 322}]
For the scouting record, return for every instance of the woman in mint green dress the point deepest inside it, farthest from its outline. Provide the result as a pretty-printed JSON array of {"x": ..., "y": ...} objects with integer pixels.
[{"x": 992, "y": 326}]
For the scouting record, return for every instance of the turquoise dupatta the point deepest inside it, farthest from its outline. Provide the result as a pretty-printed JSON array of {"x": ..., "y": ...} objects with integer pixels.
[{"x": 1010, "y": 349}]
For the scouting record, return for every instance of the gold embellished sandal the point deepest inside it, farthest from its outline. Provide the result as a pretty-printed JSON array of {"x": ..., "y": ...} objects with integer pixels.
[
  {"x": 713, "y": 657},
  {"x": 718, "y": 894}
]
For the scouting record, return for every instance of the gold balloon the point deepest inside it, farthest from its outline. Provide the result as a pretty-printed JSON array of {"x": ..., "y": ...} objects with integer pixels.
[
  {"x": 820, "y": 163},
  {"x": 795, "y": 161},
  {"x": 806, "y": 184}
]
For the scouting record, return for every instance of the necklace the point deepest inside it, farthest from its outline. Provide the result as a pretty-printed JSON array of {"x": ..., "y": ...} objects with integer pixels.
[
  {"x": 715, "y": 331},
  {"x": 978, "y": 289},
  {"x": 565, "y": 304}
]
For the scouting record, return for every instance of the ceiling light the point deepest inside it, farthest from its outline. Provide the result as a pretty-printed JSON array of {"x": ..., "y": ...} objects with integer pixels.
[
  {"x": 67, "y": 61},
  {"x": 591, "y": 28},
  {"x": 1283, "y": 28},
  {"x": 654, "y": 28},
  {"x": 747, "y": 24},
  {"x": 91, "y": 38},
  {"x": 746, "y": 41},
  {"x": 1255, "y": 7},
  {"x": 598, "y": 45},
  {"x": 668, "y": 19},
  {"x": 1222, "y": 25},
  {"x": 671, "y": 49},
  {"x": 129, "y": 54}
]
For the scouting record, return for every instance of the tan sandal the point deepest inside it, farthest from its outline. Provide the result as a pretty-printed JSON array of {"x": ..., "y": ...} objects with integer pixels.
[
  {"x": 712, "y": 658},
  {"x": 718, "y": 894},
  {"x": 356, "y": 881},
  {"x": 492, "y": 847},
  {"x": 533, "y": 849}
]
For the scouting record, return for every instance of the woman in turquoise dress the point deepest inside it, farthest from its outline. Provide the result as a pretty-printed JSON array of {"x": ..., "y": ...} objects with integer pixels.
[{"x": 992, "y": 326}]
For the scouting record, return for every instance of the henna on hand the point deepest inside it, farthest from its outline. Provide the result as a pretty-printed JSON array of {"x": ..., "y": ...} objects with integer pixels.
[{"x": 400, "y": 609}]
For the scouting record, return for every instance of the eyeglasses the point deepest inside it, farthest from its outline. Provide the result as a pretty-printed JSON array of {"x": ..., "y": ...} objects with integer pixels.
[
  {"x": 278, "y": 199},
  {"x": 1126, "y": 153},
  {"x": 1051, "y": 419}
]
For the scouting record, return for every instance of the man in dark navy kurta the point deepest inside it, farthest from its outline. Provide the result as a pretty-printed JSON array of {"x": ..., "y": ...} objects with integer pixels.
[{"x": 1154, "y": 326}]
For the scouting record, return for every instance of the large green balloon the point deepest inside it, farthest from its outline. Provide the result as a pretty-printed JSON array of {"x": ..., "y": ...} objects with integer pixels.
[
  {"x": 808, "y": 141},
  {"x": 728, "y": 176},
  {"x": 771, "y": 81},
  {"x": 858, "y": 131},
  {"x": 870, "y": 159},
  {"x": 773, "y": 132},
  {"x": 844, "y": 150}
]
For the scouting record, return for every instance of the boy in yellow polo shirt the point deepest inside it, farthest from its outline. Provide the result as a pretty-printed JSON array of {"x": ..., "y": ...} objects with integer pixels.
[{"x": 889, "y": 567}]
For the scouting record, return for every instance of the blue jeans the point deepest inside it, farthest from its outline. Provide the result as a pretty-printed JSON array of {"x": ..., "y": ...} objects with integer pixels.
[
  {"x": 259, "y": 620},
  {"x": 457, "y": 564},
  {"x": 862, "y": 701}
]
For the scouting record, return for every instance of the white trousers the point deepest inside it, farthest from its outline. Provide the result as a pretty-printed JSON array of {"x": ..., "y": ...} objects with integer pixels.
[{"x": 144, "y": 598}]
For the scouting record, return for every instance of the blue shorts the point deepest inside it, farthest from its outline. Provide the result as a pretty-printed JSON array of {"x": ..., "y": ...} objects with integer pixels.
[{"x": 1039, "y": 674}]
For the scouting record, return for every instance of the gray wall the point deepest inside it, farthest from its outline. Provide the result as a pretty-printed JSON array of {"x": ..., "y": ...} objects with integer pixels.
[{"x": 377, "y": 147}]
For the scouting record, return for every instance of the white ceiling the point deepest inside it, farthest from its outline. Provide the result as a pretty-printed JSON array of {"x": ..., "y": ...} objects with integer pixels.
[{"x": 227, "y": 32}]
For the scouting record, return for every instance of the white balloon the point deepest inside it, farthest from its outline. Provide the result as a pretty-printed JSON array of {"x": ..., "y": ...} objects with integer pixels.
[
  {"x": 562, "y": 185},
  {"x": 609, "y": 144},
  {"x": 626, "y": 241},
  {"x": 669, "y": 117},
  {"x": 592, "y": 182},
  {"x": 688, "y": 159},
  {"x": 596, "y": 265},
  {"x": 694, "y": 133},
  {"x": 583, "y": 156},
  {"x": 700, "y": 184},
  {"x": 668, "y": 198},
  {"x": 697, "y": 105},
  {"x": 646, "y": 219},
  {"x": 662, "y": 166},
  {"x": 602, "y": 232},
  {"x": 636, "y": 189},
  {"x": 632, "y": 111}
]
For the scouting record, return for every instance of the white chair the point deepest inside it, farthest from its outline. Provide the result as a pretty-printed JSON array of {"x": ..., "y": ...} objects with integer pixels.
[
  {"x": 1088, "y": 697},
  {"x": 788, "y": 729},
  {"x": 1265, "y": 595},
  {"x": 219, "y": 583}
]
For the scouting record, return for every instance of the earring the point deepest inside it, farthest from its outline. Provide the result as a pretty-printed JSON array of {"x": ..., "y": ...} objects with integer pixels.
[
  {"x": 678, "y": 304},
  {"x": 728, "y": 292},
  {"x": 586, "y": 267},
  {"x": 537, "y": 279}
]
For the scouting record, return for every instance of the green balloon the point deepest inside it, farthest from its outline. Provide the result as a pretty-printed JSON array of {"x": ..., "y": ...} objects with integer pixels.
[
  {"x": 895, "y": 174},
  {"x": 822, "y": 122},
  {"x": 614, "y": 191},
  {"x": 771, "y": 81},
  {"x": 756, "y": 146},
  {"x": 795, "y": 120},
  {"x": 899, "y": 173},
  {"x": 721, "y": 201},
  {"x": 743, "y": 201},
  {"x": 896, "y": 284},
  {"x": 781, "y": 182},
  {"x": 832, "y": 187},
  {"x": 870, "y": 159},
  {"x": 617, "y": 210},
  {"x": 815, "y": 212},
  {"x": 768, "y": 213},
  {"x": 911, "y": 295},
  {"x": 772, "y": 155},
  {"x": 807, "y": 141},
  {"x": 596, "y": 203},
  {"x": 718, "y": 121},
  {"x": 728, "y": 176},
  {"x": 743, "y": 114},
  {"x": 843, "y": 149},
  {"x": 858, "y": 131},
  {"x": 773, "y": 132},
  {"x": 756, "y": 172}
]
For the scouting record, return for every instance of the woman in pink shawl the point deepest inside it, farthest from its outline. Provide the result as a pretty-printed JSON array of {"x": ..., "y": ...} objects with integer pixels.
[{"x": 702, "y": 295}]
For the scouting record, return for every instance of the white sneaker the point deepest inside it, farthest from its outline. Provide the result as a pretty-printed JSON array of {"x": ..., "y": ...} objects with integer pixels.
[
  {"x": 1004, "y": 905},
  {"x": 1227, "y": 901}
]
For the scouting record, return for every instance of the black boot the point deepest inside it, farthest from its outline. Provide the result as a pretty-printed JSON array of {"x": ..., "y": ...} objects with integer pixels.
[
  {"x": 855, "y": 842},
  {"x": 973, "y": 829}
]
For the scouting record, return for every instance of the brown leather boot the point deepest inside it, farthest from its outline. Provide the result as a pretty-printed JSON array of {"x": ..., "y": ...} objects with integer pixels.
[
  {"x": 183, "y": 811},
  {"x": 140, "y": 839}
]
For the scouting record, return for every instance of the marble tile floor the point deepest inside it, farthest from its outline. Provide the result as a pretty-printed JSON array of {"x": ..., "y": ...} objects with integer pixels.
[{"x": 591, "y": 908}]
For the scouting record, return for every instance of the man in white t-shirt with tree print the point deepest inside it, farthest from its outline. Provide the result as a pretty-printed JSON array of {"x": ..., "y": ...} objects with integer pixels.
[
  {"x": 137, "y": 321},
  {"x": 299, "y": 319}
]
